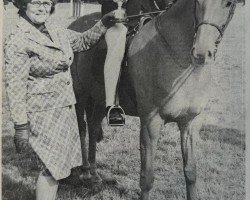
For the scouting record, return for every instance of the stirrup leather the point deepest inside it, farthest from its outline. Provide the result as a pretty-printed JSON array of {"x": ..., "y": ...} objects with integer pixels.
[{"x": 116, "y": 123}]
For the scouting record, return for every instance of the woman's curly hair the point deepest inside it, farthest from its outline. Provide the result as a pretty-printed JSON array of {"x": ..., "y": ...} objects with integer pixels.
[{"x": 22, "y": 5}]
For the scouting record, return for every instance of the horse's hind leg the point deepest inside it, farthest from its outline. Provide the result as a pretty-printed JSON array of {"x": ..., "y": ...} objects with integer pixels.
[
  {"x": 150, "y": 129},
  {"x": 188, "y": 130},
  {"x": 95, "y": 114},
  {"x": 82, "y": 132}
]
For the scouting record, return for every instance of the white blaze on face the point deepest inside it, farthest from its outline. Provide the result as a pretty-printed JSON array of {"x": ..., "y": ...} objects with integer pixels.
[
  {"x": 38, "y": 11},
  {"x": 211, "y": 16}
]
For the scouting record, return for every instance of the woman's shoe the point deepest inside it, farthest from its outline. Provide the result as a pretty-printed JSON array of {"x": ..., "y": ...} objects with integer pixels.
[{"x": 115, "y": 115}]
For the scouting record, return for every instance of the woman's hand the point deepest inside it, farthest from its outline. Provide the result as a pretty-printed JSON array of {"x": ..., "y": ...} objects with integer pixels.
[
  {"x": 109, "y": 20},
  {"x": 62, "y": 66},
  {"x": 21, "y": 137}
]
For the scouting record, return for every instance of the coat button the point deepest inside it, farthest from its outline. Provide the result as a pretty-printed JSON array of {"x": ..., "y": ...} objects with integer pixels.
[
  {"x": 68, "y": 82},
  {"x": 70, "y": 58}
]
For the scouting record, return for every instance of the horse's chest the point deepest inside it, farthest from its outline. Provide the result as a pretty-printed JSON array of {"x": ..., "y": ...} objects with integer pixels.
[{"x": 189, "y": 93}]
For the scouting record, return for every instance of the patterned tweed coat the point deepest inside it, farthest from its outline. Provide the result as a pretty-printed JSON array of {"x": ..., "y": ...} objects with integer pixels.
[{"x": 39, "y": 89}]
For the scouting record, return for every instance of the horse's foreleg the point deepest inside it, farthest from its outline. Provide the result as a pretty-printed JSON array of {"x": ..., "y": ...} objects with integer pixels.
[
  {"x": 188, "y": 131},
  {"x": 82, "y": 132},
  {"x": 149, "y": 134}
]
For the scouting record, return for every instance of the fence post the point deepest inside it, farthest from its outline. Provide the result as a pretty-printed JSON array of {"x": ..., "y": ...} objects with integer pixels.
[
  {"x": 71, "y": 9},
  {"x": 82, "y": 8}
]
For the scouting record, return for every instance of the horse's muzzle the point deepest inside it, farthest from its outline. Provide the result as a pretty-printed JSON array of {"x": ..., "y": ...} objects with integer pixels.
[{"x": 201, "y": 57}]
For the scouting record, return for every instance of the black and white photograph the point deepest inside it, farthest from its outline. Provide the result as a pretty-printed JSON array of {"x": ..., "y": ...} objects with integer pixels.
[{"x": 124, "y": 100}]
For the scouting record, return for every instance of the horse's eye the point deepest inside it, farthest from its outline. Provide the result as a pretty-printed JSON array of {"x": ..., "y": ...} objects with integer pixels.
[{"x": 229, "y": 3}]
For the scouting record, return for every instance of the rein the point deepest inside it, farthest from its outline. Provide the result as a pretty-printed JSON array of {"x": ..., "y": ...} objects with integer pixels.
[{"x": 170, "y": 4}]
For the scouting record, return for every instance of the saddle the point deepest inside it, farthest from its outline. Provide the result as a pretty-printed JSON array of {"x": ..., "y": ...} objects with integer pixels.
[
  {"x": 125, "y": 89},
  {"x": 132, "y": 31}
]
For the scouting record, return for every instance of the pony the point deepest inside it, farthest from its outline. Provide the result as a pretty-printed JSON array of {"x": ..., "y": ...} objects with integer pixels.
[{"x": 171, "y": 87}]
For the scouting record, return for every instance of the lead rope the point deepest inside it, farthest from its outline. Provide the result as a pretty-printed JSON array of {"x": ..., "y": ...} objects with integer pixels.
[{"x": 170, "y": 4}]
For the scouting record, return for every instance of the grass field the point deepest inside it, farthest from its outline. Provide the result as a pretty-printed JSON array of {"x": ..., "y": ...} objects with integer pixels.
[{"x": 220, "y": 146}]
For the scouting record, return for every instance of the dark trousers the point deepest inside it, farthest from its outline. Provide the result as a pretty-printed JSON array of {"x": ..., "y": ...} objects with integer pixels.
[
  {"x": 108, "y": 6},
  {"x": 133, "y": 7}
]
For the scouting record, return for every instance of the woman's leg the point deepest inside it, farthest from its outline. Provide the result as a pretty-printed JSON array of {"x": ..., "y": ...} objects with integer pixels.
[
  {"x": 46, "y": 187},
  {"x": 115, "y": 39}
]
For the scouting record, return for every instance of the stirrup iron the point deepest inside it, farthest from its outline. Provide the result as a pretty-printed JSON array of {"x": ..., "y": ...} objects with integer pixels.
[{"x": 122, "y": 113}]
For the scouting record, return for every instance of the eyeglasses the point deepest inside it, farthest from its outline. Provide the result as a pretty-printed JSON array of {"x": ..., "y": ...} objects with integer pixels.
[{"x": 37, "y": 4}]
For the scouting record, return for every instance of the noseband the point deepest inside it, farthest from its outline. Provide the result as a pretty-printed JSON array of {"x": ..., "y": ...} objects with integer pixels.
[{"x": 220, "y": 29}]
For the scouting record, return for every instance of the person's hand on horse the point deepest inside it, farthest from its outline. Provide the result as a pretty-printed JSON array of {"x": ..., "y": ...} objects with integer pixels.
[
  {"x": 109, "y": 20},
  {"x": 62, "y": 64},
  {"x": 21, "y": 137}
]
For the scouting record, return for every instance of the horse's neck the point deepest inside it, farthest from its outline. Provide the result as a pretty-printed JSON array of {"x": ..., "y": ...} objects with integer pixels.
[
  {"x": 182, "y": 13},
  {"x": 176, "y": 26},
  {"x": 181, "y": 6}
]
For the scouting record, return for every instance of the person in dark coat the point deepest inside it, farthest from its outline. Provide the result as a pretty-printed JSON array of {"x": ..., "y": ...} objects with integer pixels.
[{"x": 116, "y": 39}]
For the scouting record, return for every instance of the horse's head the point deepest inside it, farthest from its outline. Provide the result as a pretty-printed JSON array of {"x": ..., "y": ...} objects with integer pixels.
[{"x": 211, "y": 20}]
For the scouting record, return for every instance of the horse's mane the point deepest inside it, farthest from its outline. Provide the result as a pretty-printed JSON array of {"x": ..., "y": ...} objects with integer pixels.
[
  {"x": 175, "y": 26},
  {"x": 177, "y": 6}
]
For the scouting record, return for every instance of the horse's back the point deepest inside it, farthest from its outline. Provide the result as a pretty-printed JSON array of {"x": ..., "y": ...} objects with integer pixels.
[{"x": 85, "y": 22}]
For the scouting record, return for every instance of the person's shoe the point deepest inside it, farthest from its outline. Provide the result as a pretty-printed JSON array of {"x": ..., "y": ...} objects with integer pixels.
[{"x": 115, "y": 115}]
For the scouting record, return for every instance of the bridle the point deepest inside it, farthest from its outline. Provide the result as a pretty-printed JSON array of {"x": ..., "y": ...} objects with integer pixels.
[
  {"x": 221, "y": 29},
  {"x": 153, "y": 13}
]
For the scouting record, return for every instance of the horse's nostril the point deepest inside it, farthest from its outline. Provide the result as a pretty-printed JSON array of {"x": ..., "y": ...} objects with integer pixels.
[
  {"x": 196, "y": 55},
  {"x": 199, "y": 59},
  {"x": 210, "y": 55}
]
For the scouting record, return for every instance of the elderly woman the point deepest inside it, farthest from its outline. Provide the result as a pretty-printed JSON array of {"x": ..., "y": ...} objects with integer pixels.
[{"x": 40, "y": 93}]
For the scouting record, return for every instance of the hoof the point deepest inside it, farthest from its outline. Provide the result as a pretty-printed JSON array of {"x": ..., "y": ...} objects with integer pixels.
[
  {"x": 95, "y": 179},
  {"x": 85, "y": 178},
  {"x": 96, "y": 183},
  {"x": 144, "y": 196},
  {"x": 109, "y": 180},
  {"x": 96, "y": 188}
]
